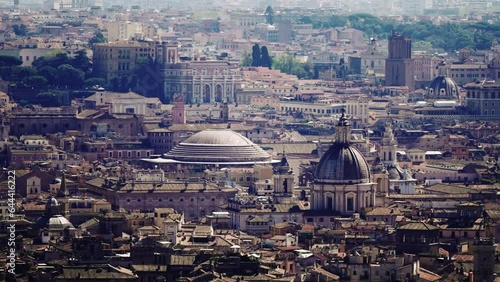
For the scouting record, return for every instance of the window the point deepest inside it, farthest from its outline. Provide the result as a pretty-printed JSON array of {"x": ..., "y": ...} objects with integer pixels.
[{"x": 350, "y": 204}]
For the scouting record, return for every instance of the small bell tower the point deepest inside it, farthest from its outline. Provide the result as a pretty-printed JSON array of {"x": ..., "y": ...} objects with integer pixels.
[
  {"x": 283, "y": 179},
  {"x": 224, "y": 112},
  {"x": 178, "y": 110},
  {"x": 388, "y": 147}
]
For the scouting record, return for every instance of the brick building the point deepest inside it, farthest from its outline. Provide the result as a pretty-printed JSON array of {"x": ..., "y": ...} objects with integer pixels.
[{"x": 399, "y": 66}]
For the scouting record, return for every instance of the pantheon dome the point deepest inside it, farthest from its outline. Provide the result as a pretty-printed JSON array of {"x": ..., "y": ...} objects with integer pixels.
[
  {"x": 218, "y": 146},
  {"x": 443, "y": 87}
]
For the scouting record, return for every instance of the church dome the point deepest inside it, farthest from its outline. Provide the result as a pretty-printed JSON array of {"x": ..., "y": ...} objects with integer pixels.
[
  {"x": 51, "y": 201},
  {"x": 218, "y": 146},
  {"x": 443, "y": 87},
  {"x": 59, "y": 222},
  {"x": 342, "y": 164}
]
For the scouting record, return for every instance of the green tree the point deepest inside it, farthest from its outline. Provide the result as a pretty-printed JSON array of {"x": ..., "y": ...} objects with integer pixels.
[
  {"x": 82, "y": 62},
  {"x": 288, "y": 64},
  {"x": 338, "y": 21},
  {"x": 256, "y": 56},
  {"x": 10, "y": 61},
  {"x": 266, "y": 61},
  {"x": 35, "y": 81},
  {"x": 246, "y": 59},
  {"x": 49, "y": 73},
  {"x": 49, "y": 99},
  {"x": 20, "y": 30},
  {"x": 68, "y": 76},
  {"x": 98, "y": 38},
  {"x": 421, "y": 45},
  {"x": 95, "y": 81},
  {"x": 21, "y": 72},
  {"x": 269, "y": 15},
  {"x": 306, "y": 20},
  {"x": 54, "y": 59},
  {"x": 124, "y": 84},
  {"x": 114, "y": 84},
  {"x": 146, "y": 79}
]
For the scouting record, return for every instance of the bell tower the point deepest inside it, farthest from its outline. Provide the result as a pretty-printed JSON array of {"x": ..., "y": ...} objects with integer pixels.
[
  {"x": 224, "y": 112},
  {"x": 484, "y": 255},
  {"x": 178, "y": 110},
  {"x": 283, "y": 179},
  {"x": 388, "y": 147}
]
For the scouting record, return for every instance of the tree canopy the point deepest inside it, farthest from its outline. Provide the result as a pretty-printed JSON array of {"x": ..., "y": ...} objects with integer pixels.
[
  {"x": 265, "y": 60},
  {"x": 269, "y": 15},
  {"x": 246, "y": 59},
  {"x": 20, "y": 30},
  {"x": 98, "y": 38},
  {"x": 256, "y": 56},
  {"x": 259, "y": 58},
  {"x": 448, "y": 36},
  {"x": 288, "y": 64},
  {"x": 68, "y": 76},
  {"x": 10, "y": 61}
]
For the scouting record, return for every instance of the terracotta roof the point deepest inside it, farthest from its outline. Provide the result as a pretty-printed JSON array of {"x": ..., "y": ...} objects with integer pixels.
[
  {"x": 203, "y": 126},
  {"x": 418, "y": 226},
  {"x": 182, "y": 260},
  {"x": 384, "y": 211},
  {"x": 426, "y": 275},
  {"x": 106, "y": 273},
  {"x": 149, "y": 268}
]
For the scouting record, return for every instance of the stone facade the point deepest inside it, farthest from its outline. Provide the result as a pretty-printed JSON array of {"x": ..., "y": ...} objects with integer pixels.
[
  {"x": 193, "y": 199},
  {"x": 200, "y": 81},
  {"x": 483, "y": 98},
  {"x": 117, "y": 59}
]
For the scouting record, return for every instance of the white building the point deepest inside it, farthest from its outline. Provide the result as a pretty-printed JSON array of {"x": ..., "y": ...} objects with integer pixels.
[
  {"x": 121, "y": 30},
  {"x": 415, "y": 7},
  {"x": 123, "y": 103},
  {"x": 58, "y": 5},
  {"x": 400, "y": 180}
]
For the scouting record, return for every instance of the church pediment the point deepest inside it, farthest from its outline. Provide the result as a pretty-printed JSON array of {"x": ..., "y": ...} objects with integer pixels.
[{"x": 351, "y": 194}]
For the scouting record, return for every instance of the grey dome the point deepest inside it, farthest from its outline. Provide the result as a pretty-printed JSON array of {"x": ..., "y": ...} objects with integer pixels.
[
  {"x": 51, "y": 201},
  {"x": 396, "y": 172},
  {"x": 59, "y": 222},
  {"x": 342, "y": 164},
  {"x": 218, "y": 145},
  {"x": 443, "y": 87}
]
